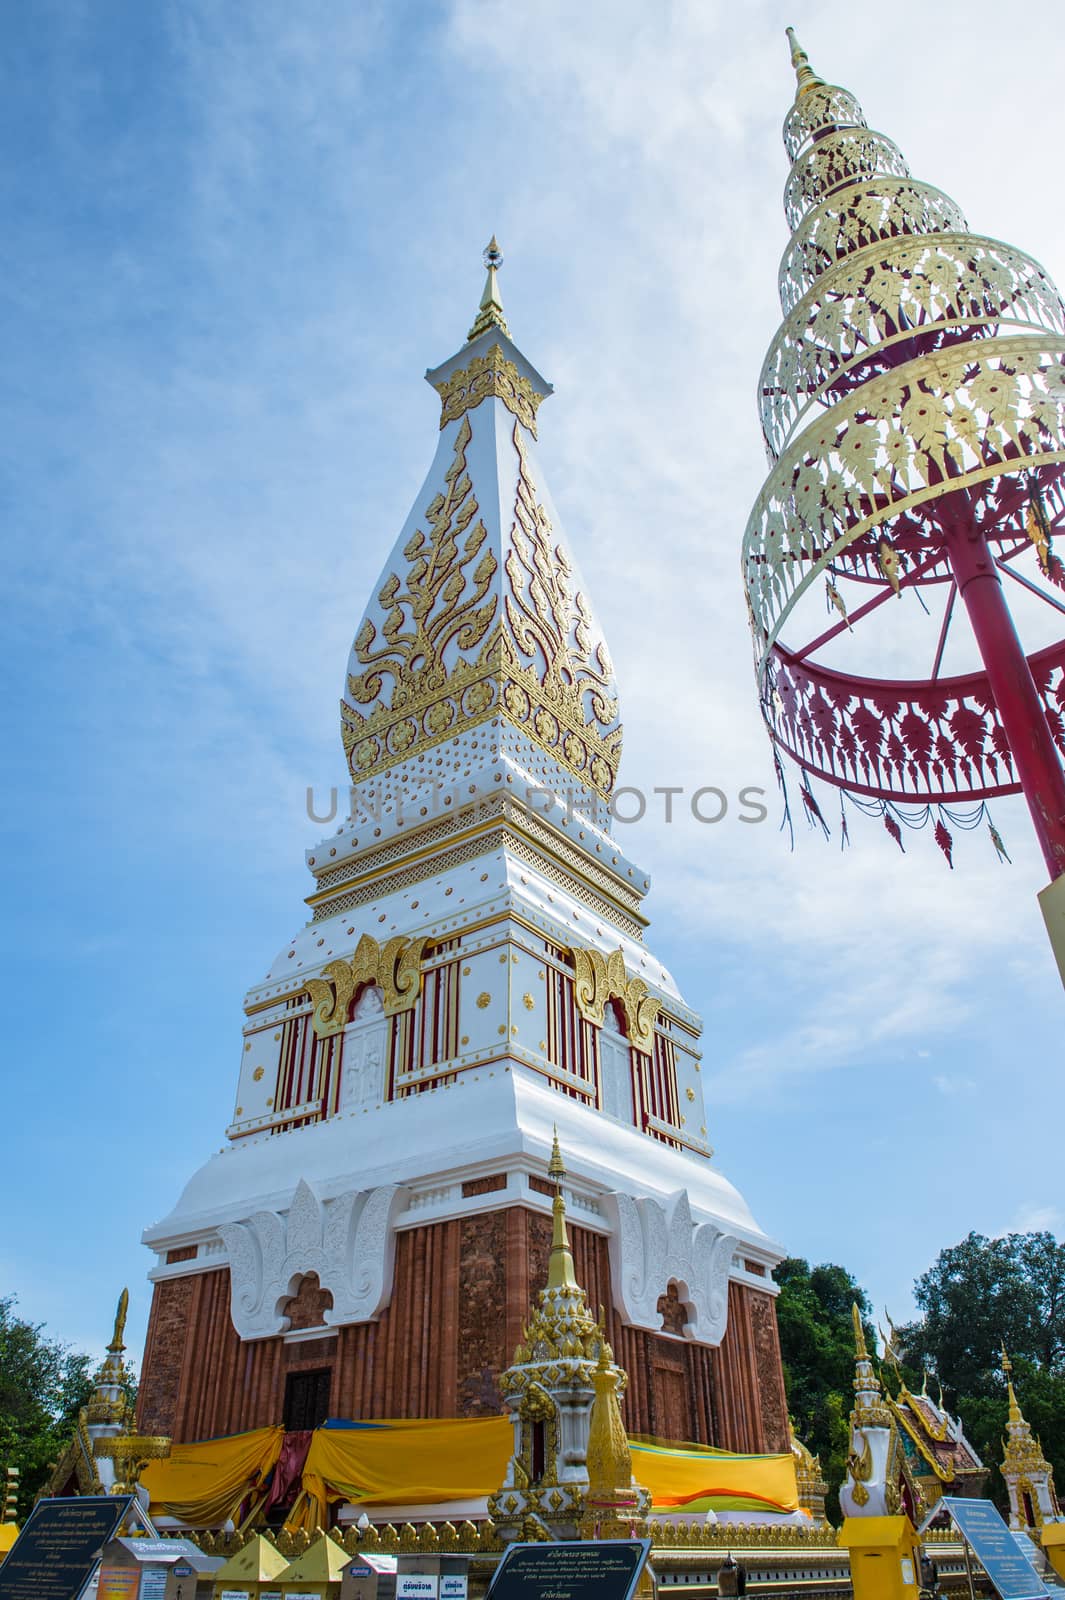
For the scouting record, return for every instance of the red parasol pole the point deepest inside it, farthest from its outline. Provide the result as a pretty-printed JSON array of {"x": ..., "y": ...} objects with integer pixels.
[{"x": 1010, "y": 678}]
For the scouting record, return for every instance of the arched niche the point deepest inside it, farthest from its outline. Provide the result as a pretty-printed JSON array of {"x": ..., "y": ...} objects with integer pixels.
[
  {"x": 362, "y": 1072},
  {"x": 615, "y": 1066}
]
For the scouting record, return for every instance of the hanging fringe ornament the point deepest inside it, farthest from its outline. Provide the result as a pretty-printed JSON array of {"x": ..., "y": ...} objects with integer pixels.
[
  {"x": 844, "y": 832},
  {"x": 834, "y": 598},
  {"x": 895, "y": 831},
  {"x": 1037, "y": 527},
  {"x": 890, "y": 563},
  {"x": 813, "y": 811},
  {"x": 996, "y": 840},
  {"x": 945, "y": 842},
  {"x": 786, "y": 818}
]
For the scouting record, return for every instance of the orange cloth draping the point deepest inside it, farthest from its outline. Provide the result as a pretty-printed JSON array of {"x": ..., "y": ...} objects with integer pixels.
[
  {"x": 203, "y": 1484},
  {"x": 690, "y": 1477}
]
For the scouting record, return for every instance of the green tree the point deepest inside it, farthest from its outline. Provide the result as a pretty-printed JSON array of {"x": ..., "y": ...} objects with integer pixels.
[
  {"x": 42, "y": 1386},
  {"x": 977, "y": 1296},
  {"x": 982, "y": 1293},
  {"x": 817, "y": 1347}
]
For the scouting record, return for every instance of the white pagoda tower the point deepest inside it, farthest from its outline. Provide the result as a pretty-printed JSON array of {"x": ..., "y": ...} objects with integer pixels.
[{"x": 473, "y": 974}]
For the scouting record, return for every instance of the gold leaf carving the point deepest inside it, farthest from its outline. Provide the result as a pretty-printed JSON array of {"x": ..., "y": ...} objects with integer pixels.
[
  {"x": 537, "y": 663},
  {"x": 490, "y": 376},
  {"x": 394, "y": 966},
  {"x": 599, "y": 978}
]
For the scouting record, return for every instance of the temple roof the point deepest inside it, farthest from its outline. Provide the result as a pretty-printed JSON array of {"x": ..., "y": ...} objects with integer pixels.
[
  {"x": 937, "y": 1436},
  {"x": 480, "y": 618}
]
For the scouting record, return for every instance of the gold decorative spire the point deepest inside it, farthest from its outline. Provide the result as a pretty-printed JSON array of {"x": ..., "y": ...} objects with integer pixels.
[
  {"x": 555, "y": 1167},
  {"x": 856, "y": 1317},
  {"x": 109, "y": 1402},
  {"x": 609, "y": 1457},
  {"x": 561, "y": 1273},
  {"x": 806, "y": 77},
  {"x": 1015, "y": 1414},
  {"x": 117, "y": 1345},
  {"x": 490, "y": 310}
]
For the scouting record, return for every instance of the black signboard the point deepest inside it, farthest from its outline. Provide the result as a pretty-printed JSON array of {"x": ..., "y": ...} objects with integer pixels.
[
  {"x": 570, "y": 1570},
  {"x": 53, "y": 1556},
  {"x": 983, "y": 1529}
]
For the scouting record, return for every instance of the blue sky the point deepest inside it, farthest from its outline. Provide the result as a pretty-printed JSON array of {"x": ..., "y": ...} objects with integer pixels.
[{"x": 234, "y": 238}]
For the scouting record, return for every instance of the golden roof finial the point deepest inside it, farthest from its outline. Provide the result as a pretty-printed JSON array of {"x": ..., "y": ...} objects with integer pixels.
[
  {"x": 116, "y": 1345},
  {"x": 805, "y": 76},
  {"x": 561, "y": 1273},
  {"x": 555, "y": 1167},
  {"x": 1015, "y": 1414},
  {"x": 490, "y": 310},
  {"x": 859, "y": 1333}
]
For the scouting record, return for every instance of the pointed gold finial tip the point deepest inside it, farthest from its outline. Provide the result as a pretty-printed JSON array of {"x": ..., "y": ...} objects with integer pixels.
[
  {"x": 806, "y": 77},
  {"x": 556, "y": 1166},
  {"x": 490, "y": 310},
  {"x": 120, "y": 1322},
  {"x": 859, "y": 1333}
]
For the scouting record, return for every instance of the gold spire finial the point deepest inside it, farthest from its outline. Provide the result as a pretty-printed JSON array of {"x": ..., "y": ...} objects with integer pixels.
[
  {"x": 490, "y": 310},
  {"x": 116, "y": 1345},
  {"x": 555, "y": 1167},
  {"x": 1015, "y": 1413},
  {"x": 859, "y": 1333},
  {"x": 805, "y": 76},
  {"x": 561, "y": 1273}
]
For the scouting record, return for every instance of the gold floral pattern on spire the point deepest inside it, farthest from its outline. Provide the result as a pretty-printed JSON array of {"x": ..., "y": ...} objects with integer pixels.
[{"x": 458, "y": 642}]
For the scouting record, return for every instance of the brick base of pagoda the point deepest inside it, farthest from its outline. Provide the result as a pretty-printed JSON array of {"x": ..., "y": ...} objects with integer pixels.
[{"x": 462, "y": 1290}]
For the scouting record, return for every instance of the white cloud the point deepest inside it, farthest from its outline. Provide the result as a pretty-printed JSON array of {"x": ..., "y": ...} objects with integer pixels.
[
  {"x": 1034, "y": 1218},
  {"x": 952, "y": 1083}
]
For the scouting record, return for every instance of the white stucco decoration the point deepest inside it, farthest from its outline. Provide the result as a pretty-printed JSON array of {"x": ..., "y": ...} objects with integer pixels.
[
  {"x": 655, "y": 1241},
  {"x": 362, "y": 1078},
  {"x": 348, "y": 1242}
]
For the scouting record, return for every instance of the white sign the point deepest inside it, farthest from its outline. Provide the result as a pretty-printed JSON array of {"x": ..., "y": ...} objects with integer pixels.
[
  {"x": 416, "y": 1586},
  {"x": 453, "y": 1586},
  {"x": 235, "y": 1594}
]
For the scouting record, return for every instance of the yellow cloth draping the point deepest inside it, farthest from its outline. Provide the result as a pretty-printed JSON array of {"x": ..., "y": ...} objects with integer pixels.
[
  {"x": 693, "y": 1477},
  {"x": 432, "y": 1462},
  {"x": 429, "y": 1462},
  {"x": 405, "y": 1462},
  {"x": 204, "y": 1483}
]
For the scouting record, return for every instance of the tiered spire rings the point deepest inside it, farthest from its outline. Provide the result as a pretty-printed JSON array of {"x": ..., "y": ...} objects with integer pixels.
[{"x": 913, "y": 409}]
